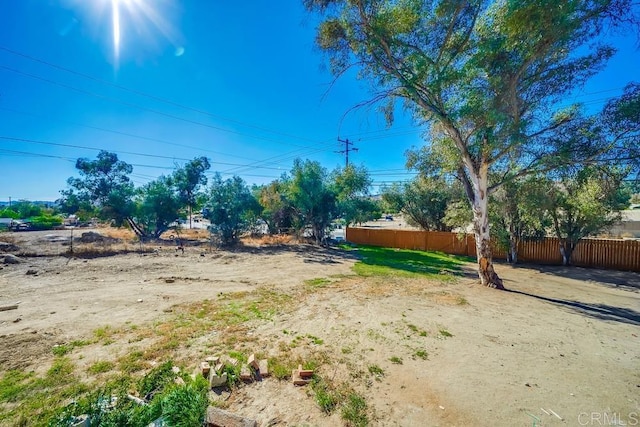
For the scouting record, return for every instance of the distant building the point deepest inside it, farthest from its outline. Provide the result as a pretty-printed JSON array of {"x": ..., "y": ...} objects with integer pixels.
[{"x": 629, "y": 226}]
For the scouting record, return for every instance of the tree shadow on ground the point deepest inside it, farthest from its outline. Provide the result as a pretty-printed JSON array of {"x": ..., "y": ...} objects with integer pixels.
[
  {"x": 309, "y": 253},
  {"x": 597, "y": 311},
  {"x": 410, "y": 261},
  {"x": 626, "y": 280}
]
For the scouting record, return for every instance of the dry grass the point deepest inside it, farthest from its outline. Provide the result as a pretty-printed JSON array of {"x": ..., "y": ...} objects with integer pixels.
[
  {"x": 269, "y": 240},
  {"x": 118, "y": 233}
]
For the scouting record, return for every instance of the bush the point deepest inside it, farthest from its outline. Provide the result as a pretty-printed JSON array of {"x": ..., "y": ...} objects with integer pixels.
[{"x": 45, "y": 222}]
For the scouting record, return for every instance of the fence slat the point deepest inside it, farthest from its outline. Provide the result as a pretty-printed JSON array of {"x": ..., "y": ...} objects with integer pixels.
[{"x": 594, "y": 253}]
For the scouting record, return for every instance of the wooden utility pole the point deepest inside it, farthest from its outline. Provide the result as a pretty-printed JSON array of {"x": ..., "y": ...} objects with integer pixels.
[{"x": 348, "y": 146}]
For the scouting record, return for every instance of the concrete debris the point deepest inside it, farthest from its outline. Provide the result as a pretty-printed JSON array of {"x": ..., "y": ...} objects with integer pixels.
[
  {"x": 221, "y": 418},
  {"x": 11, "y": 259}
]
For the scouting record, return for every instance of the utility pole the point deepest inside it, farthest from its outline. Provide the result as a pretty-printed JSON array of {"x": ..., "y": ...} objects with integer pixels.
[{"x": 348, "y": 146}]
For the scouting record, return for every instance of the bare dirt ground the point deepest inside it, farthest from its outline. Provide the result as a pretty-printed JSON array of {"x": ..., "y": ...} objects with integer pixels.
[{"x": 562, "y": 347}]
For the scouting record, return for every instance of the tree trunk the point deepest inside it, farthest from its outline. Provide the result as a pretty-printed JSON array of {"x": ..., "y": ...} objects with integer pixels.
[
  {"x": 566, "y": 250},
  {"x": 486, "y": 272},
  {"x": 513, "y": 249}
]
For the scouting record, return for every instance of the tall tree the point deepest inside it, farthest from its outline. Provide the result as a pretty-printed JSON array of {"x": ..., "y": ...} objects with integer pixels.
[
  {"x": 583, "y": 202},
  {"x": 311, "y": 197},
  {"x": 229, "y": 208},
  {"x": 105, "y": 184},
  {"x": 277, "y": 211},
  {"x": 188, "y": 179},
  {"x": 515, "y": 215},
  {"x": 423, "y": 201},
  {"x": 351, "y": 187},
  {"x": 484, "y": 74},
  {"x": 159, "y": 205}
]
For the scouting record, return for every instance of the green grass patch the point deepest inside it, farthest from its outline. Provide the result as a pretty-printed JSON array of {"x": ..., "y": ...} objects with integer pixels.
[
  {"x": 327, "y": 397},
  {"x": 317, "y": 283},
  {"x": 378, "y": 261},
  {"x": 445, "y": 333},
  {"x": 14, "y": 384},
  {"x": 354, "y": 411},
  {"x": 422, "y": 354},
  {"x": 396, "y": 360},
  {"x": 101, "y": 367},
  {"x": 376, "y": 371}
]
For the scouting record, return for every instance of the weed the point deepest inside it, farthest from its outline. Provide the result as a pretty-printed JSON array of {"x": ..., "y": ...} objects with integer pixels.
[
  {"x": 315, "y": 340},
  {"x": 60, "y": 373},
  {"x": 396, "y": 360},
  {"x": 376, "y": 371},
  {"x": 421, "y": 354},
  {"x": 445, "y": 333},
  {"x": 132, "y": 362},
  {"x": 326, "y": 396},
  {"x": 423, "y": 333},
  {"x": 414, "y": 328},
  {"x": 317, "y": 283},
  {"x": 346, "y": 350},
  {"x": 101, "y": 367},
  {"x": 61, "y": 349},
  {"x": 280, "y": 370},
  {"x": 354, "y": 411},
  {"x": 157, "y": 379},
  {"x": 13, "y": 385},
  {"x": 185, "y": 406}
]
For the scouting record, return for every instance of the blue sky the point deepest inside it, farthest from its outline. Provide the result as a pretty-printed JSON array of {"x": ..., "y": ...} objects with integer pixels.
[{"x": 240, "y": 83}]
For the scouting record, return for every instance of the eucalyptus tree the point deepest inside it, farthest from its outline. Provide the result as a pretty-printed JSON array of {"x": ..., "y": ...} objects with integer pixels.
[
  {"x": 312, "y": 198},
  {"x": 485, "y": 75},
  {"x": 351, "y": 188},
  {"x": 104, "y": 183},
  {"x": 189, "y": 179},
  {"x": 581, "y": 202}
]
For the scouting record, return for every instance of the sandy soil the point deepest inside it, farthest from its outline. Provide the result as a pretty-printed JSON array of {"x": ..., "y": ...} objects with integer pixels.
[{"x": 562, "y": 347}]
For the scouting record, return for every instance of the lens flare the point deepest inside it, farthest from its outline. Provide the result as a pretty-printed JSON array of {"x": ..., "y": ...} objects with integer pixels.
[{"x": 116, "y": 27}]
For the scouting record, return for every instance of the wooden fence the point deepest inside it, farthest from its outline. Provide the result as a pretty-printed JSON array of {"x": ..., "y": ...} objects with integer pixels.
[{"x": 595, "y": 253}]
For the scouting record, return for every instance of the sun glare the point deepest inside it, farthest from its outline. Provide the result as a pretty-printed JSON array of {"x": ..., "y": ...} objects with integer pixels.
[
  {"x": 149, "y": 20},
  {"x": 115, "y": 4}
]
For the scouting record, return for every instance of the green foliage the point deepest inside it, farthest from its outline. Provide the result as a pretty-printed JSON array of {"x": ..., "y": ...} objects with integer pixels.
[
  {"x": 376, "y": 371},
  {"x": 9, "y": 213},
  {"x": 277, "y": 210},
  {"x": 424, "y": 201},
  {"x": 229, "y": 207},
  {"x": 157, "y": 379},
  {"x": 422, "y": 354},
  {"x": 104, "y": 184},
  {"x": 514, "y": 214},
  {"x": 351, "y": 188},
  {"x": 313, "y": 200},
  {"x": 354, "y": 411},
  {"x": 45, "y": 222},
  {"x": 445, "y": 333},
  {"x": 487, "y": 77},
  {"x": 185, "y": 406},
  {"x": 158, "y": 206},
  {"x": 377, "y": 261},
  {"x": 582, "y": 202},
  {"x": 188, "y": 179},
  {"x": 101, "y": 367},
  {"x": 396, "y": 360},
  {"x": 326, "y": 396},
  {"x": 13, "y": 384}
]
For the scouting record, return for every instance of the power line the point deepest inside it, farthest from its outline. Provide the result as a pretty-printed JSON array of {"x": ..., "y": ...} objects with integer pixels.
[
  {"x": 154, "y": 97},
  {"x": 151, "y": 110},
  {"x": 32, "y": 141}
]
